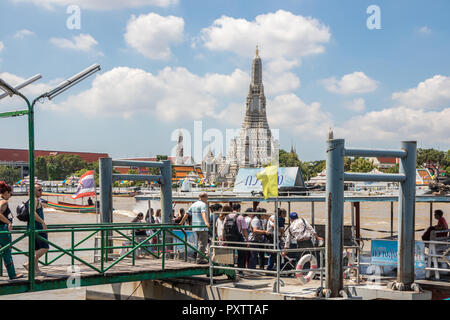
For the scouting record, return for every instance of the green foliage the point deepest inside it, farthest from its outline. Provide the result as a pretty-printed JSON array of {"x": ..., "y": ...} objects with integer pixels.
[
  {"x": 437, "y": 158},
  {"x": 393, "y": 169},
  {"x": 361, "y": 165},
  {"x": 289, "y": 159},
  {"x": 10, "y": 174},
  {"x": 61, "y": 166},
  {"x": 41, "y": 168}
]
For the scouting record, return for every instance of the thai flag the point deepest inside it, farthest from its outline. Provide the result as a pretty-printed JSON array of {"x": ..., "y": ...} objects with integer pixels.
[{"x": 86, "y": 186}]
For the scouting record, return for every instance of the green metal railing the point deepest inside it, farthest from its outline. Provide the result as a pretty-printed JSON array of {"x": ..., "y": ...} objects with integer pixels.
[{"x": 106, "y": 233}]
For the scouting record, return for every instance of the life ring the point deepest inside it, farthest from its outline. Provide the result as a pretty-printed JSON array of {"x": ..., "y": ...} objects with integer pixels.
[{"x": 313, "y": 265}]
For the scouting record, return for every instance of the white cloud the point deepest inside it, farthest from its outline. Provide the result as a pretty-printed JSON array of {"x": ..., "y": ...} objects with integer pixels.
[
  {"x": 83, "y": 42},
  {"x": 398, "y": 124},
  {"x": 1, "y": 46},
  {"x": 286, "y": 112},
  {"x": 172, "y": 94},
  {"x": 357, "y": 105},
  {"x": 283, "y": 37},
  {"x": 431, "y": 93},
  {"x": 23, "y": 33},
  {"x": 424, "y": 30},
  {"x": 356, "y": 82},
  {"x": 152, "y": 34},
  {"x": 291, "y": 113},
  {"x": 100, "y": 4}
]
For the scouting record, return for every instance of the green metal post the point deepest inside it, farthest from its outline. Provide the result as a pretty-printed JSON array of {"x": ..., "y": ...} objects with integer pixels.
[
  {"x": 32, "y": 204},
  {"x": 73, "y": 246},
  {"x": 102, "y": 250},
  {"x": 133, "y": 257},
  {"x": 163, "y": 247}
]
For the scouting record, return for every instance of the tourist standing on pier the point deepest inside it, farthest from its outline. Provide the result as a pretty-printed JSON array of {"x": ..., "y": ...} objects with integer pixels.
[
  {"x": 300, "y": 234},
  {"x": 281, "y": 216},
  {"x": 256, "y": 236},
  {"x": 199, "y": 213},
  {"x": 41, "y": 246},
  {"x": 158, "y": 216},
  {"x": 235, "y": 230},
  {"x": 220, "y": 224},
  {"x": 149, "y": 216},
  {"x": 6, "y": 219}
]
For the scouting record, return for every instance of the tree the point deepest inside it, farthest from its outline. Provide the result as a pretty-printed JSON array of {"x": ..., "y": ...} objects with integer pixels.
[
  {"x": 361, "y": 165},
  {"x": 10, "y": 174},
  {"x": 41, "y": 168}
]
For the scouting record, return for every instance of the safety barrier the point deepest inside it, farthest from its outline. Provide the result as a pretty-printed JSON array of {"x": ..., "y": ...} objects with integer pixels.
[
  {"x": 273, "y": 248},
  {"x": 107, "y": 261}
]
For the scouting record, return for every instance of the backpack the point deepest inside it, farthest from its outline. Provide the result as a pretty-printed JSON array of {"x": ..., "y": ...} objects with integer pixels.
[
  {"x": 231, "y": 230},
  {"x": 23, "y": 213}
]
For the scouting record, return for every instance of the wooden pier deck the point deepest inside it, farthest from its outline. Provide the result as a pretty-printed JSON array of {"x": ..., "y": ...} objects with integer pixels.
[{"x": 57, "y": 276}]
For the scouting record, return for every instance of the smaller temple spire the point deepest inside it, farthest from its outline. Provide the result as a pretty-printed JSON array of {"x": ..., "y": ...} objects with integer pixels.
[{"x": 257, "y": 51}]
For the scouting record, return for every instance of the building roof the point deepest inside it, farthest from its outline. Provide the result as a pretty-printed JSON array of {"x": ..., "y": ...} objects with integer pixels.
[
  {"x": 387, "y": 160},
  {"x": 21, "y": 155}
]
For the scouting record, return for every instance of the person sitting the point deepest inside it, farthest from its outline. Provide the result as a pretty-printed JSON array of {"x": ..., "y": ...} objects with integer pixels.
[
  {"x": 441, "y": 225},
  {"x": 90, "y": 202}
]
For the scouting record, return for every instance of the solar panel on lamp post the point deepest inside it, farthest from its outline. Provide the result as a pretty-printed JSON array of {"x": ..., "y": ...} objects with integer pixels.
[{"x": 9, "y": 90}]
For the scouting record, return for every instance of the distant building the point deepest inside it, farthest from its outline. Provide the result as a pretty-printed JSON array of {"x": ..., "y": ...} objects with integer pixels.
[
  {"x": 19, "y": 157},
  {"x": 180, "y": 170},
  {"x": 384, "y": 163}
]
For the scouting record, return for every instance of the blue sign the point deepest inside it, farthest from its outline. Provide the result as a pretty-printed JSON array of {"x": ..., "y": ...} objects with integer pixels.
[
  {"x": 246, "y": 179},
  {"x": 191, "y": 239},
  {"x": 384, "y": 253}
]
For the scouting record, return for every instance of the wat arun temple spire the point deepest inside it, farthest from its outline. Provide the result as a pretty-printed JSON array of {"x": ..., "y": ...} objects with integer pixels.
[{"x": 255, "y": 145}]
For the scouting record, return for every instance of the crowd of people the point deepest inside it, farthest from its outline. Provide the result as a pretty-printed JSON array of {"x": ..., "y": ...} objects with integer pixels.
[{"x": 252, "y": 228}]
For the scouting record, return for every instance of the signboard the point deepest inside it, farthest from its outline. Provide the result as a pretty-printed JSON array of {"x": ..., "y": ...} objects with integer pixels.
[
  {"x": 384, "y": 253},
  {"x": 191, "y": 239},
  {"x": 423, "y": 177},
  {"x": 246, "y": 179}
]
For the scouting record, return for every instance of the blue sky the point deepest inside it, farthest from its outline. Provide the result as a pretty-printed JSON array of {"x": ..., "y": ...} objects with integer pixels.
[{"x": 168, "y": 63}]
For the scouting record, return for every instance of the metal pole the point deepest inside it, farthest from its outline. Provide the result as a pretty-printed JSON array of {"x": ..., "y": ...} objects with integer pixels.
[
  {"x": 275, "y": 240},
  {"x": 335, "y": 216},
  {"x": 431, "y": 213},
  {"x": 106, "y": 190},
  {"x": 166, "y": 192},
  {"x": 358, "y": 220},
  {"x": 312, "y": 213},
  {"x": 392, "y": 219},
  {"x": 32, "y": 203},
  {"x": 406, "y": 215}
]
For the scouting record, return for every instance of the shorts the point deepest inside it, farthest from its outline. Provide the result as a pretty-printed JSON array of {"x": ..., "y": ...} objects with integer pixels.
[{"x": 41, "y": 244}]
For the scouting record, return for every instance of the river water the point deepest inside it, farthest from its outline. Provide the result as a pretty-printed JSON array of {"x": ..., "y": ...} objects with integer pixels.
[{"x": 374, "y": 215}]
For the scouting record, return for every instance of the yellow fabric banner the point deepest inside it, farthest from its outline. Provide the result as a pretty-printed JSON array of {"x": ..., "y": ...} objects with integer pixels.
[{"x": 269, "y": 179}]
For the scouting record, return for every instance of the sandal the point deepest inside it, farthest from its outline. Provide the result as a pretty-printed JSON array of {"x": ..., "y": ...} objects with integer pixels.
[{"x": 17, "y": 276}]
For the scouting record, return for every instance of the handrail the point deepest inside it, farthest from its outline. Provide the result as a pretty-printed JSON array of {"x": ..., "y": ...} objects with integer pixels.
[{"x": 120, "y": 228}]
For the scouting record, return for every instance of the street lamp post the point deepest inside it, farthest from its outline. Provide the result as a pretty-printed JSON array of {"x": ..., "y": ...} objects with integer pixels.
[{"x": 9, "y": 90}]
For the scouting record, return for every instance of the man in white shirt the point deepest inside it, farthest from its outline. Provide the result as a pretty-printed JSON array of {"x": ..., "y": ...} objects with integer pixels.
[{"x": 299, "y": 235}]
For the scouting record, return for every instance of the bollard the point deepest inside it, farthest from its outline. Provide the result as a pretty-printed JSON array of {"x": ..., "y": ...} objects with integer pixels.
[{"x": 334, "y": 203}]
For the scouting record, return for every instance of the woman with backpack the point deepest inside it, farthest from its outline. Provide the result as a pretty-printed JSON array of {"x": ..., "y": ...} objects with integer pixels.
[{"x": 6, "y": 225}]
